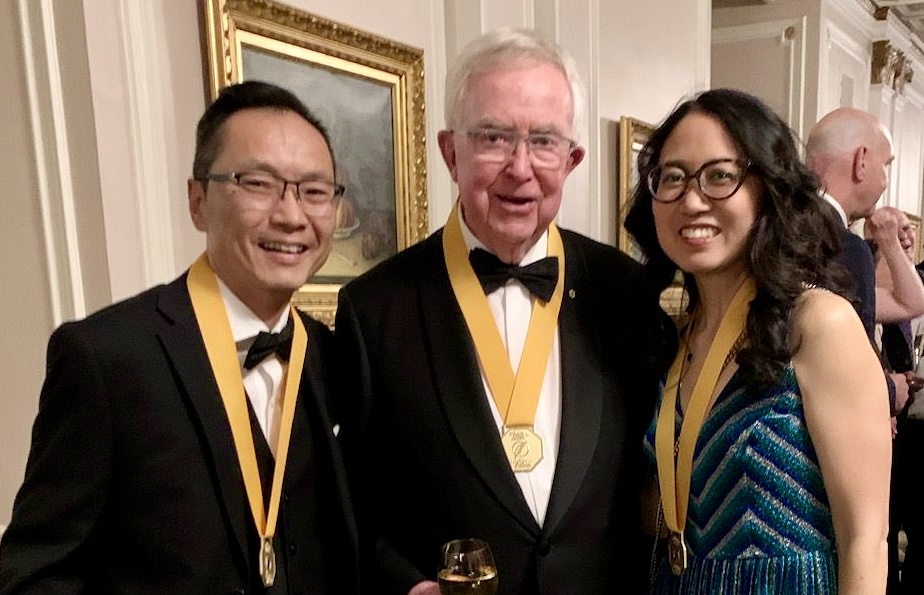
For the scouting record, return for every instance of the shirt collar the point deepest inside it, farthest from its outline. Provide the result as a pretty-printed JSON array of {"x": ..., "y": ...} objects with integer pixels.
[
  {"x": 244, "y": 323},
  {"x": 837, "y": 207},
  {"x": 538, "y": 251}
]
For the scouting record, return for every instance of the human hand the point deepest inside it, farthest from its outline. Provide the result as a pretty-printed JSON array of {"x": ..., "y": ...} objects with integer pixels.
[
  {"x": 885, "y": 226},
  {"x": 902, "y": 391},
  {"x": 425, "y": 588},
  {"x": 890, "y": 226},
  {"x": 915, "y": 382}
]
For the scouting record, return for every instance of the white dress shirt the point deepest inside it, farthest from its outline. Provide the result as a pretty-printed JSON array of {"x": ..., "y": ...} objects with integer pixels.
[
  {"x": 511, "y": 306},
  {"x": 837, "y": 207},
  {"x": 263, "y": 383}
]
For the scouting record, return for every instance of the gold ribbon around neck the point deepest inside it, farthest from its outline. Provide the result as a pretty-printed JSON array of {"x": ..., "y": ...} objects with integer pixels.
[
  {"x": 516, "y": 396},
  {"x": 675, "y": 490},
  {"x": 222, "y": 352}
]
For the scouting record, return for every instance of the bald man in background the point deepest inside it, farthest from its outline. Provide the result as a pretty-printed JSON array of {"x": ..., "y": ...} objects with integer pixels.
[{"x": 851, "y": 150}]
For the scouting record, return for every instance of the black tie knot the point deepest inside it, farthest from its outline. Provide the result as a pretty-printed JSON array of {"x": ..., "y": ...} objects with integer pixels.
[
  {"x": 539, "y": 277},
  {"x": 267, "y": 344}
]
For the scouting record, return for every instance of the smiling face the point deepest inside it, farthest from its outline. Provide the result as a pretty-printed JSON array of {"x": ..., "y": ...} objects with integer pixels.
[
  {"x": 264, "y": 255},
  {"x": 703, "y": 236},
  {"x": 509, "y": 205}
]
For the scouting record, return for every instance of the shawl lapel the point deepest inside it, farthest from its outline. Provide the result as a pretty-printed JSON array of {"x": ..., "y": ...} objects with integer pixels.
[
  {"x": 581, "y": 388},
  {"x": 460, "y": 389},
  {"x": 312, "y": 397},
  {"x": 183, "y": 345}
]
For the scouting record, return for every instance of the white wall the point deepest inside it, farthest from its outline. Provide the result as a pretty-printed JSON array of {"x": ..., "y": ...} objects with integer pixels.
[
  {"x": 831, "y": 69},
  {"x": 129, "y": 102}
]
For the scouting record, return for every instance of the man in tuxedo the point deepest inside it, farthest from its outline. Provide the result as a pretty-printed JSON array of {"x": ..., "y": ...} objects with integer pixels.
[
  {"x": 851, "y": 150},
  {"x": 502, "y": 372},
  {"x": 184, "y": 442}
]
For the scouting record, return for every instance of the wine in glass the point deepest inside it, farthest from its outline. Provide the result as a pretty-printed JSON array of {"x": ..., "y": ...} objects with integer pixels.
[{"x": 468, "y": 568}]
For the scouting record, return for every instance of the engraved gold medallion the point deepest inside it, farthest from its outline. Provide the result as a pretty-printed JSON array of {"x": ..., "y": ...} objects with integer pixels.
[
  {"x": 267, "y": 562},
  {"x": 677, "y": 553},
  {"x": 523, "y": 447}
]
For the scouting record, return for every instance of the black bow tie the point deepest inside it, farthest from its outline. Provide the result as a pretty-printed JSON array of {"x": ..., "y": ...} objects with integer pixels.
[
  {"x": 267, "y": 344},
  {"x": 539, "y": 277}
]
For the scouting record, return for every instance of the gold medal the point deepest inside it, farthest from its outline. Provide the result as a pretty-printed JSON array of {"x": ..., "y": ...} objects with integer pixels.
[
  {"x": 267, "y": 562},
  {"x": 219, "y": 345},
  {"x": 523, "y": 447},
  {"x": 677, "y": 553},
  {"x": 515, "y": 394}
]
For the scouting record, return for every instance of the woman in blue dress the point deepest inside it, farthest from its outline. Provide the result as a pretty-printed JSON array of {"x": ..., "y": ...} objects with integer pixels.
[{"x": 772, "y": 438}]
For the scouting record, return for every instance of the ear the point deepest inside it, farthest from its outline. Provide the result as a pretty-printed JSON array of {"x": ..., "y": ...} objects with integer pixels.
[
  {"x": 574, "y": 158},
  {"x": 195, "y": 193},
  {"x": 859, "y": 164},
  {"x": 447, "y": 144}
]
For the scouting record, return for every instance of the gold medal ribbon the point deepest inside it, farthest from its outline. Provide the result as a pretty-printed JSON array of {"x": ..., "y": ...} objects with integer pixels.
[
  {"x": 516, "y": 396},
  {"x": 219, "y": 344},
  {"x": 675, "y": 491}
]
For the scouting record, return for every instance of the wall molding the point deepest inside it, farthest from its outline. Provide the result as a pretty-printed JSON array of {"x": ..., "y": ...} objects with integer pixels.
[
  {"x": 789, "y": 32},
  {"x": 704, "y": 58},
  {"x": 848, "y": 43},
  {"x": 148, "y": 139},
  {"x": 52, "y": 159}
]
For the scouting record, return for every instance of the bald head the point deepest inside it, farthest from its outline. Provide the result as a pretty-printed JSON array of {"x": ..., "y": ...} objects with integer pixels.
[{"x": 850, "y": 150}]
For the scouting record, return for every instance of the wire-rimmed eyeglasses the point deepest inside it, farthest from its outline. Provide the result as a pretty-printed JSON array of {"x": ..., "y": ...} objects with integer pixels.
[
  {"x": 717, "y": 179},
  {"x": 263, "y": 189},
  {"x": 546, "y": 149}
]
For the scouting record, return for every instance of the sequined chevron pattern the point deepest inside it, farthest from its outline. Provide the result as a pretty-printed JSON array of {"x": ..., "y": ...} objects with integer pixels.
[{"x": 758, "y": 519}]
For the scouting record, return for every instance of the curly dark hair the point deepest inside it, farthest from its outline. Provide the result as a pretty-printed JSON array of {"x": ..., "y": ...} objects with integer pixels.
[{"x": 795, "y": 240}]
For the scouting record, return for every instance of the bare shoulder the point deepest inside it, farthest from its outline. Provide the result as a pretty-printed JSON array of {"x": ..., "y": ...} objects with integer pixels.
[{"x": 822, "y": 312}]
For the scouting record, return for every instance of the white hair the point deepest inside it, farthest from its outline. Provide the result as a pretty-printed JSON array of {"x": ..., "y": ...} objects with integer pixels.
[{"x": 502, "y": 47}]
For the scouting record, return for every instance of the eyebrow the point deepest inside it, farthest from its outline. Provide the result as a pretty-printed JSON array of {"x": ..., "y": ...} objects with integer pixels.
[
  {"x": 310, "y": 176},
  {"x": 682, "y": 163},
  {"x": 494, "y": 125}
]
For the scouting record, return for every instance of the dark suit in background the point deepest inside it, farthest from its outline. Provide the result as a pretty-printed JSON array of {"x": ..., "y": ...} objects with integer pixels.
[
  {"x": 857, "y": 258},
  {"x": 133, "y": 485},
  {"x": 427, "y": 459}
]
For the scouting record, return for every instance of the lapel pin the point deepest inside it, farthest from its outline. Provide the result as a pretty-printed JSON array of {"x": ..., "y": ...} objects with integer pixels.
[{"x": 571, "y": 293}]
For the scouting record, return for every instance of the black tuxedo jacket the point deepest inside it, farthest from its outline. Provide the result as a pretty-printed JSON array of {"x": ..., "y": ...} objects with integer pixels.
[
  {"x": 857, "y": 258},
  {"x": 424, "y": 453},
  {"x": 133, "y": 485}
]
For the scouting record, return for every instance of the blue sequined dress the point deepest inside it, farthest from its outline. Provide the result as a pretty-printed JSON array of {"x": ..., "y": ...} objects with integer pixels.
[{"x": 758, "y": 521}]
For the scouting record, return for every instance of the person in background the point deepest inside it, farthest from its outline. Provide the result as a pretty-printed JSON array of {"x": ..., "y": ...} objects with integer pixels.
[
  {"x": 897, "y": 344},
  {"x": 850, "y": 151},
  {"x": 775, "y": 405},
  {"x": 183, "y": 442},
  {"x": 433, "y": 341},
  {"x": 907, "y": 449}
]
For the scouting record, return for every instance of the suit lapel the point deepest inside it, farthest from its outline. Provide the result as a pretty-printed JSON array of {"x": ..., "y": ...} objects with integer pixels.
[
  {"x": 460, "y": 389},
  {"x": 581, "y": 388},
  {"x": 312, "y": 396},
  {"x": 185, "y": 349}
]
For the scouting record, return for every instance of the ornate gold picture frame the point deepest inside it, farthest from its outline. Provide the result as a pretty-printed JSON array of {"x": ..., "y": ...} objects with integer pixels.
[
  {"x": 368, "y": 92},
  {"x": 633, "y": 134},
  {"x": 916, "y": 226}
]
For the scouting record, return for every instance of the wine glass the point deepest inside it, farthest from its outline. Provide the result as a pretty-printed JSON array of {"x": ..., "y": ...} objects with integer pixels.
[{"x": 467, "y": 568}]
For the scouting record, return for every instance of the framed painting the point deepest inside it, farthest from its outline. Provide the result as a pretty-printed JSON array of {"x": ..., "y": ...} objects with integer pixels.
[
  {"x": 633, "y": 134},
  {"x": 368, "y": 92},
  {"x": 916, "y": 226}
]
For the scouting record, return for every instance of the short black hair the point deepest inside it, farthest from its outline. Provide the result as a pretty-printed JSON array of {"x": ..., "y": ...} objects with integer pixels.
[{"x": 241, "y": 96}]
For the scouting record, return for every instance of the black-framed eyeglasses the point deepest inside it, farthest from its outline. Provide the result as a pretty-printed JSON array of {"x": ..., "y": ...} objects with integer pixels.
[
  {"x": 545, "y": 149},
  {"x": 717, "y": 179},
  {"x": 263, "y": 189}
]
